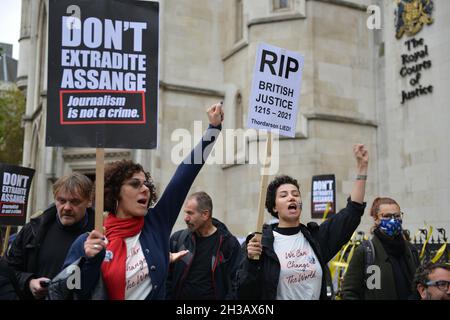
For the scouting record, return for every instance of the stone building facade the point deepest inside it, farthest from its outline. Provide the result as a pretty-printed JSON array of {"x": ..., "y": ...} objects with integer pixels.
[{"x": 351, "y": 93}]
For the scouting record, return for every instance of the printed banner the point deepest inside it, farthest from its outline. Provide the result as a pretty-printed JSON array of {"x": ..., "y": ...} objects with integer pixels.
[
  {"x": 276, "y": 90},
  {"x": 323, "y": 192},
  {"x": 16, "y": 183},
  {"x": 102, "y": 74}
]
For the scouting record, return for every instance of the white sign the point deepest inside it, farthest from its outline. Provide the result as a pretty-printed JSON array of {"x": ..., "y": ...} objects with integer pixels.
[{"x": 276, "y": 89}]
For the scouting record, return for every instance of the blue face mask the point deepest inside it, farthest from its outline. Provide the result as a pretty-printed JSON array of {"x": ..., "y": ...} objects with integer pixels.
[{"x": 391, "y": 227}]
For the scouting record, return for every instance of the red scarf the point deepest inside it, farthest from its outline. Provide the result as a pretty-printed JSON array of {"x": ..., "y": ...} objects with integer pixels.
[{"x": 117, "y": 230}]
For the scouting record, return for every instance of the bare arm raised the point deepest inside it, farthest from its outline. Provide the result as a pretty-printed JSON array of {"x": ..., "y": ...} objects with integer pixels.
[{"x": 362, "y": 164}]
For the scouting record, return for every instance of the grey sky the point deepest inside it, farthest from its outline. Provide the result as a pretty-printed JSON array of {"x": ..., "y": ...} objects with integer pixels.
[{"x": 10, "y": 23}]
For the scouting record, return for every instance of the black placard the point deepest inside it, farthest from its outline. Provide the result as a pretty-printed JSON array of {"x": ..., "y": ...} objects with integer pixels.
[
  {"x": 16, "y": 183},
  {"x": 102, "y": 74},
  {"x": 323, "y": 191}
]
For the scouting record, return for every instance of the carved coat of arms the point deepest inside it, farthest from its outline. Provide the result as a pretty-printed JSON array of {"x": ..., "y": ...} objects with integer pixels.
[{"x": 411, "y": 16}]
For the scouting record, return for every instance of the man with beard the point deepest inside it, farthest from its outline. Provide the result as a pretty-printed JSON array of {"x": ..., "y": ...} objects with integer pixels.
[
  {"x": 432, "y": 281},
  {"x": 38, "y": 252},
  {"x": 210, "y": 255}
]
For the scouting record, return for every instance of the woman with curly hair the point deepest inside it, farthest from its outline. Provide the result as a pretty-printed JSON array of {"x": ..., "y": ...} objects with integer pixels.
[
  {"x": 294, "y": 257},
  {"x": 132, "y": 258}
]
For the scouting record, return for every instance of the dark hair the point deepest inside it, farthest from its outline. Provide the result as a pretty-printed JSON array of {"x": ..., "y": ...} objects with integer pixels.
[
  {"x": 204, "y": 201},
  {"x": 115, "y": 174},
  {"x": 271, "y": 194},
  {"x": 422, "y": 273},
  {"x": 74, "y": 183}
]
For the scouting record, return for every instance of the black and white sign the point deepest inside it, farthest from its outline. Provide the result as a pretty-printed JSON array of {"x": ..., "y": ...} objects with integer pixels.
[
  {"x": 414, "y": 62},
  {"x": 323, "y": 192},
  {"x": 275, "y": 90},
  {"x": 16, "y": 183},
  {"x": 103, "y": 74}
]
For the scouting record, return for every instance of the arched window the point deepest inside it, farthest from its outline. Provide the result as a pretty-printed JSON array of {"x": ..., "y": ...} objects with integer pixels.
[
  {"x": 239, "y": 115},
  {"x": 280, "y": 4},
  {"x": 239, "y": 16}
]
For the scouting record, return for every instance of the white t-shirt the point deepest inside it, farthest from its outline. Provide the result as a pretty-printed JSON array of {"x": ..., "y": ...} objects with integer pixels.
[
  {"x": 137, "y": 279},
  {"x": 300, "y": 270}
]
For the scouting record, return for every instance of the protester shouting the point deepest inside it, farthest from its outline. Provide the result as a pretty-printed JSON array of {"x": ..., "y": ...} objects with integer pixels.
[
  {"x": 132, "y": 258},
  {"x": 293, "y": 257}
]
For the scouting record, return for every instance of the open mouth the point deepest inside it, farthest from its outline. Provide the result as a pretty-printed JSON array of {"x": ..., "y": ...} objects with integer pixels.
[
  {"x": 293, "y": 207},
  {"x": 143, "y": 201}
]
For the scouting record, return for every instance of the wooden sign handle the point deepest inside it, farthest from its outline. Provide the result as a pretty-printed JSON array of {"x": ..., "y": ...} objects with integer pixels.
[
  {"x": 263, "y": 188},
  {"x": 6, "y": 240},
  {"x": 99, "y": 185}
]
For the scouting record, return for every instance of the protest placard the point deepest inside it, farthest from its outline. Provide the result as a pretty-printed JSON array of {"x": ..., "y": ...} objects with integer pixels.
[
  {"x": 276, "y": 90},
  {"x": 102, "y": 74},
  {"x": 323, "y": 194},
  {"x": 102, "y": 78},
  {"x": 15, "y": 187}
]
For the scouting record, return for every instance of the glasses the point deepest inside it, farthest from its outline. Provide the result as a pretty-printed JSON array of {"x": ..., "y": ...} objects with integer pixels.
[
  {"x": 389, "y": 216},
  {"x": 440, "y": 284},
  {"x": 137, "y": 184}
]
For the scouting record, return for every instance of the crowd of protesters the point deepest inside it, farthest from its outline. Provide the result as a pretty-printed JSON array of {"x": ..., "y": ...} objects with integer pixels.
[{"x": 137, "y": 258}]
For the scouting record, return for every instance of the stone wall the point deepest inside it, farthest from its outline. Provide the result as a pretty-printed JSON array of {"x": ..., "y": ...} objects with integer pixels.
[{"x": 351, "y": 93}]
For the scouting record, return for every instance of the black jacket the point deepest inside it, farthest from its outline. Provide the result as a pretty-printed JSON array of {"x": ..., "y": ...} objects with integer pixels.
[
  {"x": 225, "y": 262},
  {"x": 259, "y": 279},
  {"x": 23, "y": 256},
  {"x": 9, "y": 288},
  {"x": 355, "y": 282}
]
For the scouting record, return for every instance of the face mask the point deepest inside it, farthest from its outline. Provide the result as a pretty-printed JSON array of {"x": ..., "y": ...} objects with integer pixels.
[{"x": 391, "y": 227}]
